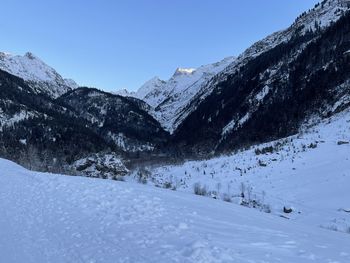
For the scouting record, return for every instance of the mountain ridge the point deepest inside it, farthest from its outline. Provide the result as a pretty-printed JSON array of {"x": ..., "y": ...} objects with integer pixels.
[
  {"x": 168, "y": 98},
  {"x": 43, "y": 78},
  {"x": 266, "y": 93},
  {"x": 228, "y": 108}
]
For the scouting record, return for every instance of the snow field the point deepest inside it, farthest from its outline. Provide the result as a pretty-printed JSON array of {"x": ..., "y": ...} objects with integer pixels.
[{"x": 54, "y": 218}]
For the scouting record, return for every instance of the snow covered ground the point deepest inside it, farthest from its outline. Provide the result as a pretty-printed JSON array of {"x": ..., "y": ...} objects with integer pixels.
[
  {"x": 54, "y": 218},
  {"x": 309, "y": 172}
]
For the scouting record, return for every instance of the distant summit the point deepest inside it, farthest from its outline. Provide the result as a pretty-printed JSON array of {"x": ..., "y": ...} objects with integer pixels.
[
  {"x": 168, "y": 98},
  {"x": 43, "y": 78}
]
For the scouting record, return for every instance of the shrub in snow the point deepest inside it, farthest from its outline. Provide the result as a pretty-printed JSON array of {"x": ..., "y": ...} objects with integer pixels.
[
  {"x": 142, "y": 175},
  {"x": 312, "y": 145},
  {"x": 141, "y": 179},
  {"x": 199, "y": 189},
  {"x": 251, "y": 200},
  {"x": 169, "y": 185},
  {"x": 268, "y": 149},
  {"x": 261, "y": 163}
]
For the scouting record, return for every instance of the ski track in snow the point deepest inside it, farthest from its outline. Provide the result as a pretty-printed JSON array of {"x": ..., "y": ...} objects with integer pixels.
[{"x": 53, "y": 218}]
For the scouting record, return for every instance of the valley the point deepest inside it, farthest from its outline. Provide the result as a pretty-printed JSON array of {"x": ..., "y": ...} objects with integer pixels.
[{"x": 242, "y": 160}]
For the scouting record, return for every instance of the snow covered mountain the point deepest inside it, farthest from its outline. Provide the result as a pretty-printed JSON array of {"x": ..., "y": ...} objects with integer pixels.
[
  {"x": 266, "y": 93},
  {"x": 168, "y": 98},
  {"x": 49, "y": 134},
  {"x": 43, "y": 78},
  {"x": 174, "y": 100},
  {"x": 257, "y": 168},
  {"x": 275, "y": 85},
  {"x": 56, "y": 218},
  {"x": 120, "y": 120}
]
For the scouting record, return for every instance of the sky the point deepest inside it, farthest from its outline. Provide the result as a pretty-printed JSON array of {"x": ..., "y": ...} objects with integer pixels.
[{"x": 119, "y": 44}]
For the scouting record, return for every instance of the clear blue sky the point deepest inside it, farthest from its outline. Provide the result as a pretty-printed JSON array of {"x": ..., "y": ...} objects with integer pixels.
[{"x": 120, "y": 44}]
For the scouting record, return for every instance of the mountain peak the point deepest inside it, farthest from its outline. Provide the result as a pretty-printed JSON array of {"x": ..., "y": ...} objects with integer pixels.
[
  {"x": 184, "y": 71},
  {"x": 41, "y": 76},
  {"x": 4, "y": 54},
  {"x": 30, "y": 55}
]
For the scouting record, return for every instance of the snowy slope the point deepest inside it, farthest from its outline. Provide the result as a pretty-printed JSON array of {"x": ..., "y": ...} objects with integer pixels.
[
  {"x": 53, "y": 218},
  {"x": 168, "y": 98},
  {"x": 175, "y": 99},
  {"x": 309, "y": 172},
  {"x": 321, "y": 16},
  {"x": 35, "y": 72}
]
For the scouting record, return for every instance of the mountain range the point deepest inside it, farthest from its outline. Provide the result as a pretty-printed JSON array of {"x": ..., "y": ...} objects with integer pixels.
[
  {"x": 169, "y": 98},
  {"x": 289, "y": 79}
]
